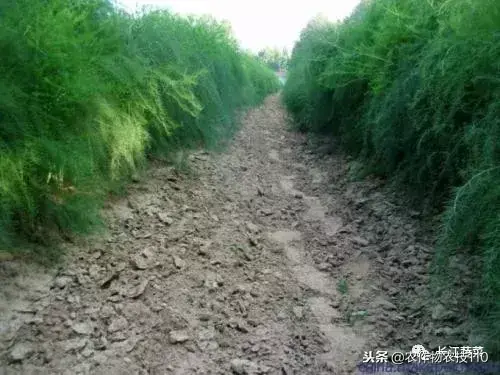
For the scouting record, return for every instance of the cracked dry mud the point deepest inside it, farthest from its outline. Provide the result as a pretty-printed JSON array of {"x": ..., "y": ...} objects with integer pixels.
[{"x": 266, "y": 259}]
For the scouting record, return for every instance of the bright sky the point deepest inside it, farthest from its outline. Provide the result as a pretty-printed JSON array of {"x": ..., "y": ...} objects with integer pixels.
[{"x": 258, "y": 23}]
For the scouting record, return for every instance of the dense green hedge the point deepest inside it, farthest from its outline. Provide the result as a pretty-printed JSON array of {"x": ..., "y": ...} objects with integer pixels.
[
  {"x": 88, "y": 91},
  {"x": 413, "y": 88}
]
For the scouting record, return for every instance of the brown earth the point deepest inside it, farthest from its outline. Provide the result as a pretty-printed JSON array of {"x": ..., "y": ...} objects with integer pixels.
[{"x": 266, "y": 259}]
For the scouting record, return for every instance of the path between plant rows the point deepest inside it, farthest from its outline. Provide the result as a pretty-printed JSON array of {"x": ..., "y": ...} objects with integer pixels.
[{"x": 266, "y": 259}]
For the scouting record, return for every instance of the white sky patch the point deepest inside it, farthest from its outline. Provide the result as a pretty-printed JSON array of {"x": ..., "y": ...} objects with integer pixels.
[{"x": 258, "y": 24}]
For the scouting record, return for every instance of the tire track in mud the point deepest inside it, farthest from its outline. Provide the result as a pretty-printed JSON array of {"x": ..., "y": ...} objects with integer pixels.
[
  {"x": 345, "y": 345},
  {"x": 264, "y": 260}
]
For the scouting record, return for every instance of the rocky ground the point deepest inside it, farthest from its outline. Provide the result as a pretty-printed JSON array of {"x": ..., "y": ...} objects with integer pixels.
[{"x": 267, "y": 259}]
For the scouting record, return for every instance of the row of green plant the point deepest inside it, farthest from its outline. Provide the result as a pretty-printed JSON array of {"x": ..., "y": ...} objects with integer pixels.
[
  {"x": 88, "y": 91},
  {"x": 274, "y": 58},
  {"x": 412, "y": 88}
]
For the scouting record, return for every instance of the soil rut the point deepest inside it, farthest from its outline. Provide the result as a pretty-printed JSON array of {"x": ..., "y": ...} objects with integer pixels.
[{"x": 266, "y": 260}]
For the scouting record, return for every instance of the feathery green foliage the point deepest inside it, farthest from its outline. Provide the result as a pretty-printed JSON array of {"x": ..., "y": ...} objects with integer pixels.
[
  {"x": 412, "y": 88},
  {"x": 87, "y": 91}
]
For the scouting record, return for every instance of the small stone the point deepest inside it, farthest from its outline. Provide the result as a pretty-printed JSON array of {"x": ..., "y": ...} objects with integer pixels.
[
  {"x": 62, "y": 281},
  {"x": 83, "y": 279},
  {"x": 33, "y": 319},
  {"x": 298, "y": 195},
  {"x": 118, "y": 324},
  {"x": 148, "y": 252},
  {"x": 82, "y": 328},
  {"x": 210, "y": 284},
  {"x": 74, "y": 344},
  {"x": 239, "y": 325},
  {"x": 106, "y": 282},
  {"x": 139, "y": 289},
  {"x": 247, "y": 254},
  {"x": 324, "y": 266},
  {"x": 202, "y": 251},
  {"x": 208, "y": 345},
  {"x": 360, "y": 241},
  {"x": 219, "y": 280},
  {"x": 445, "y": 331},
  {"x": 386, "y": 304},
  {"x": 100, "y": 358},
  {"x": 260, "y": 191},
  {"x": 206, "y": 334},
  {"x": 266, "y": 212},
  {"x": 252, "y": 322},
  {"x": 178, "y": 336},
  {"x": 239, "y": 289},
  {"x": 439, "y": 312},
  {"x": 251, "y": 227},
  {"x": 392, "y": 291},
  {"x": 335, "y": 304},
  {"x": 21, "y": 351},
  {"x": 282, "y": 315},
  {"x": 253, "y": 241},
  {"x": 407, "y": 263},
  {"x": 330, "y": 366},
  {"x": 414, "y": 213},
  {"x": 131, "y": 343},
  {"x": 165, "y": 219},
  {"x": 298, "y": 312},
  {"x": 118, "y": 336},
  {"x": 87, "y": 352},
  {"x": 242, "y": 327},
  {"x": 244, "y": 367},
  {"x": 204, "y": 317},
  {"x": 178, "y": 262},
  {"x": 94, "y": 271},
  {"x": 138, "y": 262},
  {"x": 201, "y": 157},
  {"x": 107, "y": 312},
  {"x": 102, "y": 343}
]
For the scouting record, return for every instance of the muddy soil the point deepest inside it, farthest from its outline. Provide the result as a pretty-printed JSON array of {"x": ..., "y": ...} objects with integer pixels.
[{"x": 265, "y": 259}]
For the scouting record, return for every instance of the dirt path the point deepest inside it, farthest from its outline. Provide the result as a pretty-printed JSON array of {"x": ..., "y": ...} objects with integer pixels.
[{"x": 267, "y": 260}]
